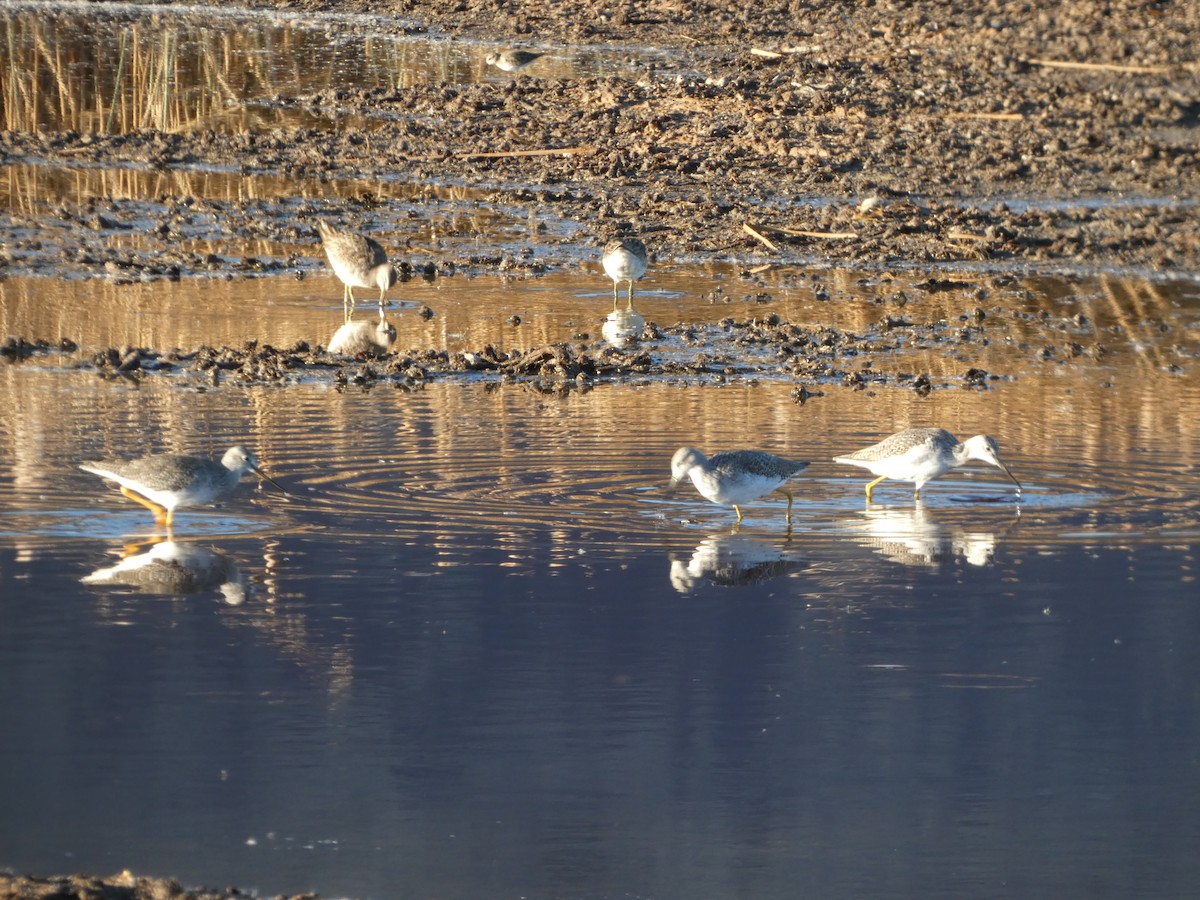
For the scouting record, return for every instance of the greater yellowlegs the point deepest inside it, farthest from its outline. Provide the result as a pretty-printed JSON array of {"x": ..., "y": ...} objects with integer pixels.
[
  {"x": 164, "y": 482},
  {"x": 920, "y": 455},
  {"x": 358, "y": 261},
  {"x": 624, "y": 260},
  {"x": 735, "y": 476},
  {"x": 374, "y": 336},
  {"x": 512, "y": 60}
]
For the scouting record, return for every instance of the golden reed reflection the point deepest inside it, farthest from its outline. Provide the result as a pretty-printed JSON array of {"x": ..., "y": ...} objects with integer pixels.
[
  {"x": 539, "y": 480},
  {"x": 28, "y": 188},
  {"x": 115, "y": 74}
]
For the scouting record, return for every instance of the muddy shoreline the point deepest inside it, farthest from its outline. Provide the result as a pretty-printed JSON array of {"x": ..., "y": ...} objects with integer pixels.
[{"x": 876, "y": 136}]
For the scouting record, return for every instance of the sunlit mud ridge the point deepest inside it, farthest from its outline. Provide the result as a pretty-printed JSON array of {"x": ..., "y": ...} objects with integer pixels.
[
  {"x": 766, "y": 348},
  {"x": 871, "y": 136},
  {"x": 124, "y": 886}
]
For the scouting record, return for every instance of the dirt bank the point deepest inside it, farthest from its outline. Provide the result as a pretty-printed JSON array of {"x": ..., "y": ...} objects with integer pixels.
[{"x": 874, "y": 135}]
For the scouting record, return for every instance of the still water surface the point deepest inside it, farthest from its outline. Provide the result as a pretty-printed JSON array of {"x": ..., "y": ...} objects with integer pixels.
[{"x": 481, "y": 653}]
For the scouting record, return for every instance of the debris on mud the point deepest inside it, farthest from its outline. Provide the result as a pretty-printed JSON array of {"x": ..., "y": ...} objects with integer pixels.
[
  {"x": 730, "y": 349},
  {"x": 124, "y": 886}
]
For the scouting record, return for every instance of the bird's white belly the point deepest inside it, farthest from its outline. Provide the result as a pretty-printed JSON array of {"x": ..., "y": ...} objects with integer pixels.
[
  {"x": 623, "y": 268},
  {"x": 732, "y": 489},
  {"x": 918, "y": 465},
  {"x": 350, "y": 275}
]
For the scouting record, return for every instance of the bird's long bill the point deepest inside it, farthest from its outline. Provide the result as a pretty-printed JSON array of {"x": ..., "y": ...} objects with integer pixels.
[
  {"x": 265, "y": 477},
  {"x": 671, "y": 485},
  {"x": 1008, "y": 472}
]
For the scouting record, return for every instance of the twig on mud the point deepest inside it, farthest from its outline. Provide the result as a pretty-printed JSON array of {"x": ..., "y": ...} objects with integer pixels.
[
  {"x": 1001, "y": 117},
  {"x": 1101, "y": 67},
  {"x": 966, "y": 236},
  {"x": 546, "y": 151},
  {"x": 824, "y": 235},
  {"x": 781, "y": 52},
  {"x": 758, "y": 236}
]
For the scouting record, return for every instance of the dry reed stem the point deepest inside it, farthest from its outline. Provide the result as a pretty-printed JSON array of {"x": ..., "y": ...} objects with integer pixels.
[
  {"x": 823, "y": 235},
  {"x": 546, "y": 151},
  {"x": 1000, "y": 117},
  {"x": 1100, "y": 67},
  {"x": 758, "y": 236}
]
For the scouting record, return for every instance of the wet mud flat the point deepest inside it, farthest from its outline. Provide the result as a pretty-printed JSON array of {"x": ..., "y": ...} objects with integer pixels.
[
  {"x": 981, "y": 135},
  {"x": 742, "y": 348},
  {"x": 124, "y": 886}
]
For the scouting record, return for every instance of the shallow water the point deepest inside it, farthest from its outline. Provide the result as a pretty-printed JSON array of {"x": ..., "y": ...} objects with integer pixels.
[
  {"x": 118, "y": 67},
  {"x": 479, "y": 650}
]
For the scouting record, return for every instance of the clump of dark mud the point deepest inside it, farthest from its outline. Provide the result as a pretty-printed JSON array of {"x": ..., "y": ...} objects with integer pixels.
[
  {"x": 125, "y": 886},
  {"x": 730, "y": 349},
  {"x": 866, "y": 133}
]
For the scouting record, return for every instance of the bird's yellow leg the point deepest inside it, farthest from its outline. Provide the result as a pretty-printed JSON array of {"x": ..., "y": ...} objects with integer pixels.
[
  {"x": 737, "y": 509},
  {"x": 630, "y": 304},
  {"x": 871, "y": 486},
  {"x": 161, "y": 515},
  {"x": 787, "y": 494},
  {"x": 616, "y": 296},
  {"x": 917, "y": 494},
  {"x": 348, "y": 302}
]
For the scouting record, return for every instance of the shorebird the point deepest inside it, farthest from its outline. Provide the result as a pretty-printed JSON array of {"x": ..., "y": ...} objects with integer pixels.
[
  {"x": 358, "y": 261},
  {"x": 624, "y": 260},
  {"x": 920, "y": 455},
  {"x": 164, "y": 482},
  {"x": 512, "y": 60},
  {"x": 735, "y": 476}
]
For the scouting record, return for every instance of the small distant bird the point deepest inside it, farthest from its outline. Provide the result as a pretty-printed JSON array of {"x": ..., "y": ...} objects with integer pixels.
[
  {"x": 920, "y": 455},
  {"x": 624, "y": 260},
  {"x": 512, "y": 60},
  {"x": 358, "y": 261},
  {"x": 164, "y": 482},
  {"x": 368, "y": 336},
  {"x": 735, "y": 476}
]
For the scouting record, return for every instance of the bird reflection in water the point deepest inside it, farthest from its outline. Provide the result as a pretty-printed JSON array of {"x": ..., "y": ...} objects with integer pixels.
[
  {"x": 368, "y": 336},
  {"x": 173, "y": 568},
  {"x": 914, "y": 537},
  {"x": 732, "y": 560},
  {"x": 623, "y": 327}
]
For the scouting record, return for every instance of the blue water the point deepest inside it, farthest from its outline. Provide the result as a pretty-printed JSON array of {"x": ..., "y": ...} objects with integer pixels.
[{"x": 553, "y": 729}]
